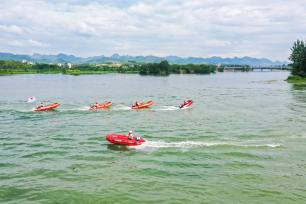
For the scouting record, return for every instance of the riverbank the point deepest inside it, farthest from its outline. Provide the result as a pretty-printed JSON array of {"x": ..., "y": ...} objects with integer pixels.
[
  {"x": 69, "y": 72},
  {"x": 296, "y": 80}
]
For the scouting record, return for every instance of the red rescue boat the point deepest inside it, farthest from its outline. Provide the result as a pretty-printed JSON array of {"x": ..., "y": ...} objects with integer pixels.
[
  {"x": 101, "y": 106},
  {"x": 124, "y": 140},
  {"x": 143, "y": 105},
  {"x": 186, "y": 104},
  {"x": 47, "y": 107}
]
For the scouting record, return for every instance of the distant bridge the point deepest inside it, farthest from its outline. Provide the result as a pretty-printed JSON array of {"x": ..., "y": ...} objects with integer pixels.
[{"x": 257, "y": 68}]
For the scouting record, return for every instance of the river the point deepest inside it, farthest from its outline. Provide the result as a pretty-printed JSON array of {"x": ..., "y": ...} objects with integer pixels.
[{"x": 243, "y": 140}]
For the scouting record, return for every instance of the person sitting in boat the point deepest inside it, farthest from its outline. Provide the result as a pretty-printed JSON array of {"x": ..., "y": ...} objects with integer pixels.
[
  {"x": 40, "y": 105},
  {"x": 130, "y": 135},
  {"x": 137, "y": 138},
  {"x": 95, "y": 105},
  {"x": 136, "y": 104}
]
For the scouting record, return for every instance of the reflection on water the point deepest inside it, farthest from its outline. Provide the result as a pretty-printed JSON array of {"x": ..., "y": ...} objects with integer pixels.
[
  {"x": 301, "y": 87},
  {"x": 119, "y": 148},
  {"x": 299, "y": 92}
]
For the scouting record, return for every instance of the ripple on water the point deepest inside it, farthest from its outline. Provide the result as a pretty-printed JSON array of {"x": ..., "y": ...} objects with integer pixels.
[
  {"x": 3, "y": 165},
  {"x": 44, "y": 154},
  {"x": 245, "y": 155},
  {"x": 241, "y": 141}
]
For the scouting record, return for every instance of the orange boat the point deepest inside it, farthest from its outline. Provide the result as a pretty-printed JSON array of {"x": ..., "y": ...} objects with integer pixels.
[
  {"x": 101, "y": 106},
  {"x": 47, "y": 107},
  {"x": 143, "y": 105}
]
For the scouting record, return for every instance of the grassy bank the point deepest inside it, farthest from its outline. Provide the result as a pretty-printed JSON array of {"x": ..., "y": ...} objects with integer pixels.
[
  {"x": 296, "y": 79},
  {"x": 68, "y": 72}
]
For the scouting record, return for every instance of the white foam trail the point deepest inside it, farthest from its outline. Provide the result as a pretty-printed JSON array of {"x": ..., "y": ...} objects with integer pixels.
[
  {"x": 122, "y": 107},
  {"x": 194, "y": 144},
  {"x": 26, "y": 111},
  {"x": 265, "y": 145},
  {"x": 187, "y": 144},
  {"x": 167, "y": 108},
  {"x": 84, "y": 108}
]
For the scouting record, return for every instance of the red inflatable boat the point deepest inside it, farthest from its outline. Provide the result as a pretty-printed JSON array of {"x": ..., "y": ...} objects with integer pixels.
[
  {"x": 124, "y": 140},
  {"x": 47, "y": 107},
  {"x": 186, "y": 104},
  {"x": 143, "y": 105},
  {"x": 101, "y": 106}
]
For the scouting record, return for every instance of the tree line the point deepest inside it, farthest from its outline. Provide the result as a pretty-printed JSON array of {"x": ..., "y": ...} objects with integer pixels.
[
  {"x": 158, "y": 69},
  {"x": 164, "y": 68}
]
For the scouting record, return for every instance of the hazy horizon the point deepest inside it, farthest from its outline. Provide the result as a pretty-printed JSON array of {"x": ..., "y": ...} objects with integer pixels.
[{"x": 111, "y": 55}]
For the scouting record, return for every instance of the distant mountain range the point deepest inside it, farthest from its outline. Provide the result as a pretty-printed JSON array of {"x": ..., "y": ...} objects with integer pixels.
[{"x": 116, "y": 58}]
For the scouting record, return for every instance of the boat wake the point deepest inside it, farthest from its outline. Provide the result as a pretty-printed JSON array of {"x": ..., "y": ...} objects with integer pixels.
[
  {"x": 195, "y": 144},
  {"x": 167, "y": 108},
  {"x": 24, "y": 110},
  {"x": 84, "y": 108},
  {"x": 121, "y": 107},
  {"x": 76, "y": 109}
]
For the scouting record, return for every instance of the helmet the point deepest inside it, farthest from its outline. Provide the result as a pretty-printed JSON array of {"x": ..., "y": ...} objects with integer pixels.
[{"x": 130, "y": 131}]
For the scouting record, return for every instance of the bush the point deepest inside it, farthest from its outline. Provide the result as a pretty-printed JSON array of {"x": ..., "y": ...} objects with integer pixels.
[{"x": 73, "y": 72}]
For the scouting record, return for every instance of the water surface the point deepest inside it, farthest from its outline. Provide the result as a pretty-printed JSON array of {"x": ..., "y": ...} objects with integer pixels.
[{"x": 243, "y": 141}]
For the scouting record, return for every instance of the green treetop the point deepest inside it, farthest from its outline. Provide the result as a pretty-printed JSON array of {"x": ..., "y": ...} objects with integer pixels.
[{"x": 298, "y": 58}]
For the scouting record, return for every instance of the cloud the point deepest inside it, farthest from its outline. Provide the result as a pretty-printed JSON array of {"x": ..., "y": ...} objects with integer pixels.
[
  {"x": 28, "y": 43},
  {"x": 160, "y": 27},
  {"x": 14, "y": 29}
]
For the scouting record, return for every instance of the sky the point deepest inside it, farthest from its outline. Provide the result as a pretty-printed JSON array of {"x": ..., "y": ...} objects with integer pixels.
[{"x": 197, "y": 28}]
